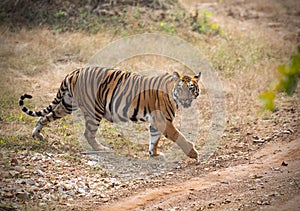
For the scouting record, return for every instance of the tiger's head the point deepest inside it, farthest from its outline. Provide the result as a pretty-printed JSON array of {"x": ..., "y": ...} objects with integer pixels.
[{"x": 186, "y": 89}]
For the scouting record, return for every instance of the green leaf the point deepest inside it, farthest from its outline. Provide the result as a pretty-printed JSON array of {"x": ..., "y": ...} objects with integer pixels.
[
  {"x": 288, "y": 84},
  {"x": 267, "y": 99},
  {"x": 282, "y": 69}
]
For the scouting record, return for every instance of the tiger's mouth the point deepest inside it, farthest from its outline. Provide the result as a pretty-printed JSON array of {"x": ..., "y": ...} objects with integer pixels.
[{"x": 186, "y": 103}]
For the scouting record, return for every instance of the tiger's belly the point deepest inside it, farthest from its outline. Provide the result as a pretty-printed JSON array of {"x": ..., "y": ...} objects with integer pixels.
[{"x": 126, "y": 116}]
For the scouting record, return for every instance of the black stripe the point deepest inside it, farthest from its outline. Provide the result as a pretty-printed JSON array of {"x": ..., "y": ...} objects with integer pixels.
[
  {"x": 49, "y": 108},
  {"x": 91, "y": 123},
  {"x": 27, "y": 96},
  {"x": 153, "y": 129},
  {"x": 128, "y": 97},
  {"x": 92, "y": 81},
  {"x": 66, "y": 105},
  {"x": 145, "y": 111},
  {"x": 136, "y": 109}
]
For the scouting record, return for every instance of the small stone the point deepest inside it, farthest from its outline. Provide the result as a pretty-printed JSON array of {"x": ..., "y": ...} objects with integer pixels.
[
  {"x": 268, "y": 138},
  {"x": 92, "y": 163},
  {"x": 227, "y": 201},
  {"x": 30, "y": 182},
  {"x": 266, "y": 202},
  {"x": 13, "y": 173},
  {"x": 5, "y": 174},
  {"x": 8, "y": 195},
  {"x": 67, "y": 186},
  {"x": 22, "y": 195},
  {"x": 14, "y": 162},
  {"x": 288, "y": 131},
  {"x": 211, "y": 204},
  {"x": 81, "y": 190},
  {"x": 259, "y": 141},
  {"x": 19, "y": 168},
  {"x": 39, "y": 171},
  {"x": 255, "y": 176}
]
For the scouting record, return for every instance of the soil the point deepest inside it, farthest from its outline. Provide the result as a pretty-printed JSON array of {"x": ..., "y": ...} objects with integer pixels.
[{"x": 256, "y": 166}]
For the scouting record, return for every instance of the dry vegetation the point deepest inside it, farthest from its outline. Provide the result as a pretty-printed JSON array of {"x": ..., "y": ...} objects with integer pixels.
[{"x": 36, "y": 55}]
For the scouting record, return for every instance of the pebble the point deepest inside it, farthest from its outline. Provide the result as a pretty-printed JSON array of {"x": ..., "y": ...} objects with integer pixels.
[
  {"x": 39, "y": 171},
  {"x": 23, "y": 195}
]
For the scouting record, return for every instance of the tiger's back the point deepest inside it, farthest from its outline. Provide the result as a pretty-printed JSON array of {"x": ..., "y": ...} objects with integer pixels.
[{"x": 122, "y": 96}]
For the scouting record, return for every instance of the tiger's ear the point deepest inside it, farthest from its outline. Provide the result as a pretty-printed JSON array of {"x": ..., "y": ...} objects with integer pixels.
[
  {"x": 197, "y": 76},
  {"x": 176, "y": 76}
]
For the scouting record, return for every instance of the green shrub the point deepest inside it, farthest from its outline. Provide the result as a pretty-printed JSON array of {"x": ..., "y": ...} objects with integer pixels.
[{"x": 288, "y": 76}]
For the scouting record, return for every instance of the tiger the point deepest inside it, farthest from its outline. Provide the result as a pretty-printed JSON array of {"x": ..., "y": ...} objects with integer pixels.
[{"x": 121, "y": 96}]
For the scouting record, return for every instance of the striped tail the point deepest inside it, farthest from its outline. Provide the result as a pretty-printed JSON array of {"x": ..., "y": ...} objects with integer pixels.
[{"x": 40, "y": 113}]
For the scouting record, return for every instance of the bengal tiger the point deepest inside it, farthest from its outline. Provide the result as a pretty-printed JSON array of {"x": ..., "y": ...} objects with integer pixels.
[{"x": 118, "y": 95}]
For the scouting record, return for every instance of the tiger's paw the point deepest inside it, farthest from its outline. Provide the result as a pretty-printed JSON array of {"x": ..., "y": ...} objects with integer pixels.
[
  {"x": 153, "y": 153},
  {"x": 38, "y": 136},
  {"x": 193, "y": 154},
  {"x": 158, "y": 156},
  {"x": 100, "y": 147}
]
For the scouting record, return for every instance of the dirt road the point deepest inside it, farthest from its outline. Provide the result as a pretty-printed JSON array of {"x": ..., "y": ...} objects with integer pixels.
[{"x": 258, "y": 182}]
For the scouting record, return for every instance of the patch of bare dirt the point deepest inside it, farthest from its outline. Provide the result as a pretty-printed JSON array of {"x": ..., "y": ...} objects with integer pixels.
[{"x": 265, "y": 182}]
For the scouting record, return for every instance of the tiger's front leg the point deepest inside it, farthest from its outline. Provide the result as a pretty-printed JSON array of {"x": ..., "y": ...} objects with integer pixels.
[{"x": 187, "y": 147}]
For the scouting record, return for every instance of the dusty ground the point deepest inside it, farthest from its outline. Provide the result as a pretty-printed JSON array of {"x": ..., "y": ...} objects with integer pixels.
[{"x": 255, "y": 167}]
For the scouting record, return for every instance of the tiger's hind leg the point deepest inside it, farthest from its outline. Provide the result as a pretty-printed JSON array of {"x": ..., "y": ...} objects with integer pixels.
[
  {"x": 36, "y": 133},
  {"x": 91, "y": 127},
  {"x": 154, "y": 139},
  {"x": 43, "y": 121},
  {"x": 65, "y": 107}
]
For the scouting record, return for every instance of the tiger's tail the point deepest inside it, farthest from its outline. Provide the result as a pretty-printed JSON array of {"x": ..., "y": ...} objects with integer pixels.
[
  {"x": 64, "y": 88},
  {"x": 40, "y": 113}
]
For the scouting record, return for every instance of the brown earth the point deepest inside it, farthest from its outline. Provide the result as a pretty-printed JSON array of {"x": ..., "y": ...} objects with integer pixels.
[{"x": 255, "y": 167}]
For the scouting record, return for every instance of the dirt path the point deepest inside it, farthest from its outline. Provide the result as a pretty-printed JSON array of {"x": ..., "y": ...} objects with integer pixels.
[{"x": 265, "y": 165}]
